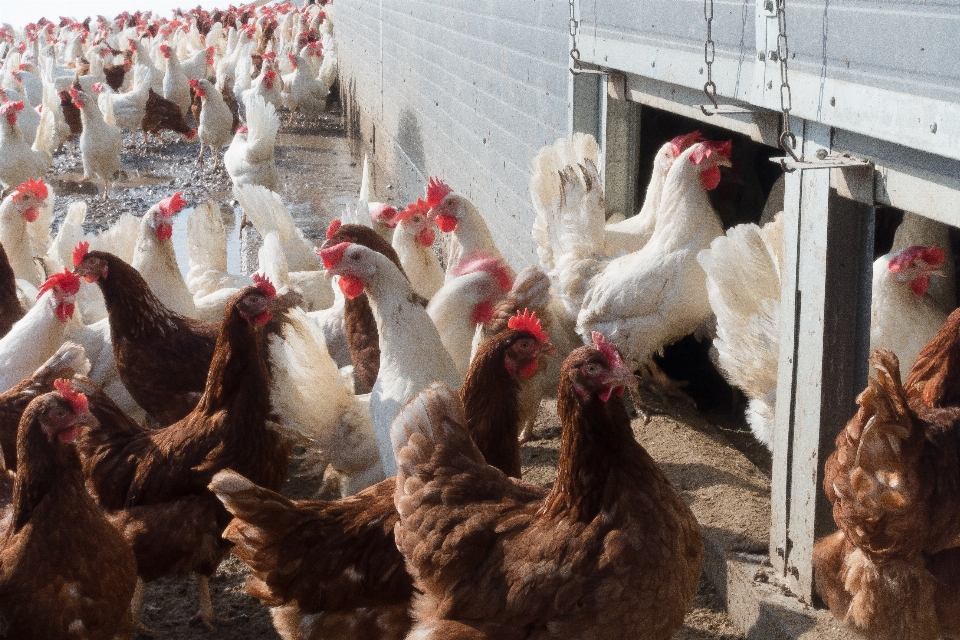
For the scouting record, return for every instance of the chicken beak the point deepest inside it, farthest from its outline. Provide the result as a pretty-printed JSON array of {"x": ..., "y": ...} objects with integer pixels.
[
  {"x": 548, "y": 349},
  {"x": 622, "y": 377},
  {"x": 88, "y": 420}
]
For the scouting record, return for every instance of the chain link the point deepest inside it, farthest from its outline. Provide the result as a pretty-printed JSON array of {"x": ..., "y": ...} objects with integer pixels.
[
  {"x": 574, "y": 51},
  {"x": 709, "y": 54},
  {"x": 788, "y": 141}
]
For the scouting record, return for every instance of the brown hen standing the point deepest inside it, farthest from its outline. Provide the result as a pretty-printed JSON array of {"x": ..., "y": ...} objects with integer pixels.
[
  {"x": 331, "y": 569},
  {"x": 11, "y": 308},
  {"x": 161, "y": 114},
  {"x": 154, "y": 482},
  {"x": 893, "y": 568},
  {"x": 64, "y": 571},
  {"x": 162, "y": 357},
  {"x": 611, "y": 551}
]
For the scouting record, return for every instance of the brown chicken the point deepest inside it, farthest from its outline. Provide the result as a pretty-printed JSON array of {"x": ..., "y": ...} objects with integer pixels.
[
  {"x": 65, "y": 572},
  {"x": 332, "y": 569},
  {"x": 115, "y": 74},
  {"x": 611, "y": 550},
  {"x": 162, "y": 357},
  {"x": 154, "y": 482},
  {"x": 11, "y": 309},
  {"x": 71, "y": 113},
  {"x": 68, "y": 361},
  {"x": 163, "y": 115},
  {"x": 362, "y": 337},
  {"x": 893, "y": 568}
]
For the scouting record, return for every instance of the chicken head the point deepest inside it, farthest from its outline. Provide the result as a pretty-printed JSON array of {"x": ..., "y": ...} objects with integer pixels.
[
  {"x": 65, "y": 287},
  {"x": 915, "y": 265},
  {"x": 598, "y": 370},
  {"x": 528, "y": 346},
  {"x": 352, "y": 262},
  {"x": 88, "y": 265},
  {"x": 28, "y": 198}
]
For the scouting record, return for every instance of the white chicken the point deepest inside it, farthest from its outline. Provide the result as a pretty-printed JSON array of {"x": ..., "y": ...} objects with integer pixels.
[
  {"x": 124, "y": 110},
  {"x": 466, "y": 301},
  {"x": 266, "y": 211},
  {"x": 268, "y": 84},
  {"x": 413, "y": 242},
  {"x": 18, "y": 210},
  {"x": 28, "y": 119},
  {"x": 249, "y": 158},
  {"x": 644, "y": 300},
  {"x": 38, "y": 334},
  {"x": 412, "y": 355},
  {"x": 633, "y": 233},
  {"x": 18, "y": 161},
  {"x": 155, "y": 259},
  {"x": 176, "y": 84},
  {"x": 208, "y": 280},
  {"x": 200, "y": 65},
  {"x": 302, "y": 91},
  {"x": 215, "y": 128},
  {"x": 318, "y": 407},
  {"x": 100, "y": 143}
]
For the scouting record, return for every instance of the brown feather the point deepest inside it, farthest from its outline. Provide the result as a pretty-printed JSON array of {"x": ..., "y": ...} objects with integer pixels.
[{"x": 10, "y": 308}]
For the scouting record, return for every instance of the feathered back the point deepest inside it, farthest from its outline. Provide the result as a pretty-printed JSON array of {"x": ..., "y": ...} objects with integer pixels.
[
  {"x": 743, "y": 286},
  {"x": 266, "y": 210},
  {"x": 273, "y": 264},
  {"x": 262, "y": 127},
  {"x": 206, "y": 237}
]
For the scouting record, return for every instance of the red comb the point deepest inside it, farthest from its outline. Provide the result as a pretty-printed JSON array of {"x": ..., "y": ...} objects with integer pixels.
[
  {"x": 194, "y": 83},
  {"x": 74, "y": 93},
  {"x": 332, "y": 256},
  {"x": 173, "y": 204},
  {"x": 34, "y": 188},
  {"x": 420, "y": 206},
  {"x": 66, "y": 281},
  {"x": 80, "y": 252},
  {"x": 385, "y": 215},
  {"x": 76, "y": 399},
  {"x": 263, "y": 283},
  {"x": 480, "y": 261},
  {"x": 682, "y": 143},
  {"x": 710, "y": 147},
  {"x": 933, "y": 256},
  {"x": 437, "y": 190},
  {"x": 243, "y": 129},
  {"x": 606, "y": 347},
  {"x": 335, "y": 225},
  {"x": 12, "y": 106},
  {"x": 528, "y": 321}
]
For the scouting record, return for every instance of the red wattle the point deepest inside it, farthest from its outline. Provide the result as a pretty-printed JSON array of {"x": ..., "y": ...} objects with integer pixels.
[
  {"x": 446, "y": 223},
  {"x": 605, "y": 394},
  {"x": 69, "y": 435},
  {"x": 919, "y": 285},
  {"x": 351, "y": 286},
  {"x": 31, "y": 214},
  {"x": 529, "y": 369},
  {"x": 426, "y": 237},
  {"x": 164, "y": 232},
  {"x": 710, "y": 178},
  {"x": 64, "y": 312},
  {"x": 263, "y": 318}
]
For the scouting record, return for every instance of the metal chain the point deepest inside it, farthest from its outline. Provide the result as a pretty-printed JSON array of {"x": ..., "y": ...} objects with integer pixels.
[
  {"x": 709, "y": 54},
  {"x": 788, "y": 141},
  {"x": 574, "y": 51}
]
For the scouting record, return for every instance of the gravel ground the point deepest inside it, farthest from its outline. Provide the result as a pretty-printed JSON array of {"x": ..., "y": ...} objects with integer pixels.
[{"x": 320, "y": 177}]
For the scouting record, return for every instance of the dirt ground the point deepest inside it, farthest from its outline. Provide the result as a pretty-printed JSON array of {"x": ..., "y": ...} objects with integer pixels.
[{"x": 321, "y": 176}]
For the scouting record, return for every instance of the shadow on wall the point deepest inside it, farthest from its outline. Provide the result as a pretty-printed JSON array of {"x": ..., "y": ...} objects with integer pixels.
[{"x": 409, "y": 157}]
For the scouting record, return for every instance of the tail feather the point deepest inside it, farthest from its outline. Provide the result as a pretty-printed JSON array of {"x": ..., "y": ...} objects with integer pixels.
[
  {"x": 262, "y": 127},
  {"x": 267, "y": 213},
  {"x": 743, "y": 286},
  {"x": 316, "y": 405},
  {"x": 120, "y": 239},
  {"x": 272, "y": 262},
  {"x": 69, "y": 360}
]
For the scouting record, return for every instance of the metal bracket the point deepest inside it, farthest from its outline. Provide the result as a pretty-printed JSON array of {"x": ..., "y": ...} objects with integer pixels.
[
  {"x": 823, "y": 161},
  {"x": 725, "y": 108}
]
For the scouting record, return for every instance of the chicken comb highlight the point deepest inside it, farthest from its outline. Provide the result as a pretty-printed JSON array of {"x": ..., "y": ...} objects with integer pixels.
[
  {"x": 335, "y": 225},
  {"x": 263, "y": 283},
  {"x": 529, "y": 322},
  {"x": 385, "y": 215},
  {"x": 33, "y": 188},
  {"x": 709, "y": 147},
  {"x": 80, "y": 252},
  {"x": 98, "y": 87},
  {"x": 67, "y": 282},
  {"x": 172, "y": 205},
  {"x": 332, "y": 256},
  {"x": 420, "y": 206},
  {"x": 76, "y": 399},
  {"x": 606, "y": 347},
  {"x": 682, "y": 143},
  {"x": 481, "y": 261},
  {"x": 437, "y": 190},
  {"x": 933, "y": 256}
]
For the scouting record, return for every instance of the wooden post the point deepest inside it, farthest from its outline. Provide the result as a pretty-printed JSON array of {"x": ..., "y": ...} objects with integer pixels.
[{"x": 824, "y": 337}]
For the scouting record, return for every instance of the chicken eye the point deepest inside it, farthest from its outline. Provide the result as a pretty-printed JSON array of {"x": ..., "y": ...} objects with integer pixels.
[
  {"x": 417, "y": 219},
  {"x": 592, "y": 369},
  {"x": 59, "y": 412},
  {"x": 525, "y": 345}
]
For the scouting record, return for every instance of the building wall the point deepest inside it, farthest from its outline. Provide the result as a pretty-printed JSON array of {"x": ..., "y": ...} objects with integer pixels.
[{"x": 468, "y": 91}]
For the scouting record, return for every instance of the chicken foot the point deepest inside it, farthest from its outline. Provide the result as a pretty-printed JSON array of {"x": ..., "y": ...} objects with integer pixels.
[
  {"x": 207, "y": 615},
  {"x": 654, "y": 379},
  {"x": 136, "y": 605}
]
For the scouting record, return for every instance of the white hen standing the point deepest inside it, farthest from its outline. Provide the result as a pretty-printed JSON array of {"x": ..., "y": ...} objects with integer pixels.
[
  {"x": 249, "y": 158},
  {"x": 412, "y": 355},
  {"x": 100, "y": 143}
]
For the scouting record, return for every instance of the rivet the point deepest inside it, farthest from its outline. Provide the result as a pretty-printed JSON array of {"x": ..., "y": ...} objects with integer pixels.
[
  {"x": 833, "y": 101},
  {"x": 933, "y": 128}
]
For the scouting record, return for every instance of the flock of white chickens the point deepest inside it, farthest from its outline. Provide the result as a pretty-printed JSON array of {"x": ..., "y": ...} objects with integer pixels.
[{"x": 644, "y": 283}]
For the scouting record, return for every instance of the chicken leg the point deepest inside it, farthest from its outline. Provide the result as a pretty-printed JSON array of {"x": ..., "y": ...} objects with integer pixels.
[
  {"x": 207, "y": 615},
  {"x": 200, "y": 157},
  {"x": 136, "y": 605}
]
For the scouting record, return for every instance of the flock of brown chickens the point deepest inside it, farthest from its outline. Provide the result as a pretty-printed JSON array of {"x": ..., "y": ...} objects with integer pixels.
[{"x": 440, "y": 538}]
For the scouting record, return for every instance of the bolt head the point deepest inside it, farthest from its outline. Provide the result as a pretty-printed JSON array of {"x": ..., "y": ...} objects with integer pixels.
[{"x": 933, "y": 128}]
